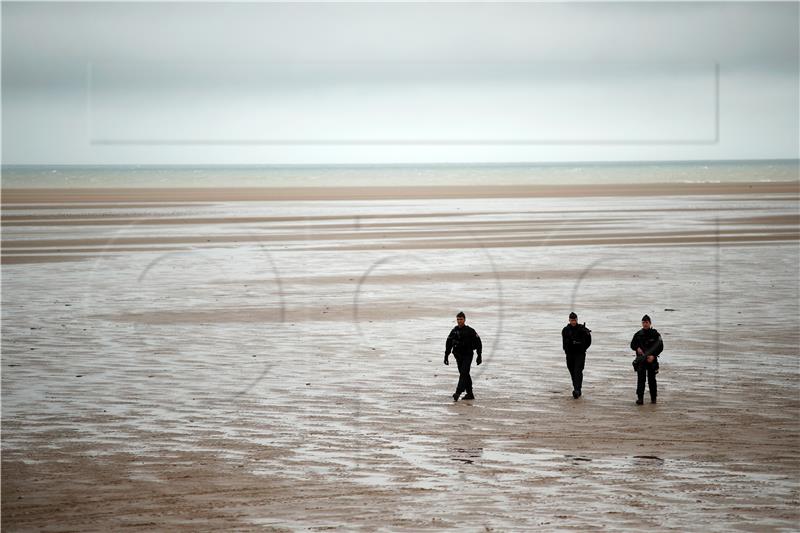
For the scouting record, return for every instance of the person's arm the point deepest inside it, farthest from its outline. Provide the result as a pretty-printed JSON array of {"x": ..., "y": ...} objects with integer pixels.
[
  {"x": 448, "y": 347},
  {"x": 588, "y": 339},
  {"x": 478, "y": 348},
  {"x": 658, "y": 347},
  {"x": 564, "y": 343},
  {"x": 635, "y": 342}
]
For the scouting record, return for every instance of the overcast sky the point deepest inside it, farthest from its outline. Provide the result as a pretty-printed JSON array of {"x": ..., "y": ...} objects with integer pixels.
[{"x": 282, "y": 83}]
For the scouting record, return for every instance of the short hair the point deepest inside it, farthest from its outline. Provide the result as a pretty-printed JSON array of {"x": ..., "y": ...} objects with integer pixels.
[
  {"x": 646, "y": 318},
  {"x": 573, "y": 315},
  {"x": 461, "y": 315}
]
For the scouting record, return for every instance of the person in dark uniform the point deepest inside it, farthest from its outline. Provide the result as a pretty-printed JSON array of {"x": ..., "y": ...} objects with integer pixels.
[
  {"x": 648, "y": 345},
  {"x": 576, "y": 339},
  {"x": 462, "y": 341}
]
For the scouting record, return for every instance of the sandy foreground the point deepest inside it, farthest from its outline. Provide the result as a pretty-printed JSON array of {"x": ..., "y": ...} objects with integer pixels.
[{"x": 248, "y": 360}]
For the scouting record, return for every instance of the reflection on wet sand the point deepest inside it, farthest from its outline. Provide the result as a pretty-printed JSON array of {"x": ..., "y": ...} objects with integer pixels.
[{"x": 282, "y": 370}]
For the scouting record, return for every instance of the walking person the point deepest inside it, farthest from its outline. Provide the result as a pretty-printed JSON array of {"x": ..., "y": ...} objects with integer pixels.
[
  {"x": 648, "y": 345},
  {"x": 576, "y": 339},
  {"x": 461, "y": 342}
]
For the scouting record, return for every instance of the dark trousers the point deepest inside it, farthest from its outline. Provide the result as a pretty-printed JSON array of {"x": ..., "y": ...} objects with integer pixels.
[
  {"x": 464, "y": 379},
  {"x": 647, "y": 370},
  {"x": 575, "y": 363}
]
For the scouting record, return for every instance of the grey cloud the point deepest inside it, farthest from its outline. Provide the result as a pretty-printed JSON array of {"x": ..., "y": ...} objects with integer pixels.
[{"x": 228, "y": 53}]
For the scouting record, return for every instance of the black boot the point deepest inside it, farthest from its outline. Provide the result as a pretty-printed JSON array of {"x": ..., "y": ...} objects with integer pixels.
[{"x": 640, "y": 400}]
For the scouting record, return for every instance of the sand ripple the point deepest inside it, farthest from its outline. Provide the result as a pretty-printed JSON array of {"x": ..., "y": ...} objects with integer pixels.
[{"x": 282, "y": 370}]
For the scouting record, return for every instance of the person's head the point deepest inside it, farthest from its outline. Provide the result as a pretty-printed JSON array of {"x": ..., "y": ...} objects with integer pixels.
[
  {"x": 573, "y": 319},
  {"x": 646, "y": 323},
  {"x": 460, "y": 318}
]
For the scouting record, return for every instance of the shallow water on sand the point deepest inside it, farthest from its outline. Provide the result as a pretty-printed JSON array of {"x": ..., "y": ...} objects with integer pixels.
[{"x": 253, "y": 364}]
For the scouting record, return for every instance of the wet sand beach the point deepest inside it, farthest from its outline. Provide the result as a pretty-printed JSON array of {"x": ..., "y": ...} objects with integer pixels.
[{"x": 271, "y": 359}]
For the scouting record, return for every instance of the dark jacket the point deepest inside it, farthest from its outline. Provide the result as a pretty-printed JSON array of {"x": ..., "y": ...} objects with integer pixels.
[
  {"x": 576, "y": 339},
  {"x": 462, "y": 341},
  {"x": 648, "y": 340}
]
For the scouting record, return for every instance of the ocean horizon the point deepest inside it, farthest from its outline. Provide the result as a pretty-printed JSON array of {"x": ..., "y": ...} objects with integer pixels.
[{"x": 393, "y": 175}]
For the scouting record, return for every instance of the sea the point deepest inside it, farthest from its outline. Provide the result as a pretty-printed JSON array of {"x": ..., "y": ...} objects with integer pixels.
[{"x": 408, "y": 175}]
